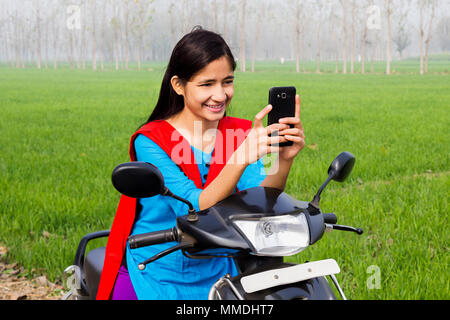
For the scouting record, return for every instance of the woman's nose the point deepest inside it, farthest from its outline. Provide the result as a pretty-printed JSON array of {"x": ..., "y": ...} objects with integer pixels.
[{"x": 219, "y": 94}]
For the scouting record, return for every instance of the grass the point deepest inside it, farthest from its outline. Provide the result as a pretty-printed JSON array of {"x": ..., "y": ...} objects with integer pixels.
[{"x": 63, "y": 131}]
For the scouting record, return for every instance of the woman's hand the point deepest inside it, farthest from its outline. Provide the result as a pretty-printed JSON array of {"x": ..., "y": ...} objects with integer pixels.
[
  {"x": 258, "y": 142},
  {"x": 295, "y": 134}
]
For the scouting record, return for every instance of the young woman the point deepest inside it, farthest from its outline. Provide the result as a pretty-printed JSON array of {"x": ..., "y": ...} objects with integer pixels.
[{"x": 204, "y": 156}]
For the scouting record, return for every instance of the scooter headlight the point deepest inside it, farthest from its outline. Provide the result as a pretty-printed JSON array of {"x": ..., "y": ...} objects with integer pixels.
[{"x": 275, "y": 236}]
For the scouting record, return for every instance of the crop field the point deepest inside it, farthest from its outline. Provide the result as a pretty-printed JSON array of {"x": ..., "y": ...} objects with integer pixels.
[{"x": 63, "y": 131}]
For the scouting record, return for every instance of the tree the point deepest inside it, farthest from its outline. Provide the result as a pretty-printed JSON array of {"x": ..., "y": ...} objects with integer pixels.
[
  {"x": 38, "y": 34},
  {"x": 332, "y": 28},
  {"x": 424, "y": 59},
  {"x": 388, "y": 41},
  {"x": 352, "y": 52},
  {"x": 215, "y": 28},
  {"x": 172, "y": 24},
  {"x": 319, "y": 8},
  {"x": 430, "y": 28},
  {"x": 401, "y": 40},
  {"x": 94, "y": 39},
  {"x": 443, "y": 33},
  {"x": 141, "y": 20},
  {"x": 225, "y": 18},
  {"x": 55, "y": 34},
  {"x": 401, "y": 36},
  {"x": 260, "y": 14},
  {"x": 299, "y": 27},
  {"x": 242, "y": 42},
  {"x": 116, "y": 25},
  {"x": 364, "y": 45},
  {"x": 344, "y": 29},
  {"x": 126, "y": 33}
]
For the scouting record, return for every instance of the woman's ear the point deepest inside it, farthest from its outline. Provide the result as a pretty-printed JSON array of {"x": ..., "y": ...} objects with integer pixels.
[{"x": 177, "y": 85}]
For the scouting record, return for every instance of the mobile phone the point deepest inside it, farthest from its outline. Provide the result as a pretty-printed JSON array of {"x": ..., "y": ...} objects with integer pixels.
[{"x": 282, "y": 100}]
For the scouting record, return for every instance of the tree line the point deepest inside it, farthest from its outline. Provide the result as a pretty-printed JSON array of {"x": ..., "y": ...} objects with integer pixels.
[{"x": 101, "y": 34}]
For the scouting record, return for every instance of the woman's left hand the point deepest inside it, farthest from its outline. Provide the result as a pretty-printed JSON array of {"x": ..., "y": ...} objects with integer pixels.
[{"x": 295, "y": 134}]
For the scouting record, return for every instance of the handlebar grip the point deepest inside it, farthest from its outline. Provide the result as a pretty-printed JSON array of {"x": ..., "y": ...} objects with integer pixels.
[
  {"x": 151, "y": 238},
  {"x": 330, "y": 218}
]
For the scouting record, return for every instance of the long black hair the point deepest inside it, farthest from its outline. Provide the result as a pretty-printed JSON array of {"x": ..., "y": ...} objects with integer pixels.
[{"x": 191, "y": 54}]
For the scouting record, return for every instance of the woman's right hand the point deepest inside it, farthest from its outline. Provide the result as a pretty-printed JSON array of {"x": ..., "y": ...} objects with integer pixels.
[{"x": 258, "y": 142}]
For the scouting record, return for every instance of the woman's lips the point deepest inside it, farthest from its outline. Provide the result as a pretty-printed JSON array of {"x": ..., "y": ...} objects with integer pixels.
[{"x": 215, "y": 107}]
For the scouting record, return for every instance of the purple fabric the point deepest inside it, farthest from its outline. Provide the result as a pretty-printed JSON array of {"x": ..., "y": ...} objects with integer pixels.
[{"x": 123, "y": 288}]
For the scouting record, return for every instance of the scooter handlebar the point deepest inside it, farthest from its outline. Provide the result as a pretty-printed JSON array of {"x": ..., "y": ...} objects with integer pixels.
[
  {"x": 151, "y": 238},
  {"x": 330, "y": 218}
]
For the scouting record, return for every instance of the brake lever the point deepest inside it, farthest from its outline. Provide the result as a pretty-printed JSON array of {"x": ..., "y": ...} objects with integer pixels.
[
  {"x": 329, "y": 227},
  {"x": 180, "y": 246}
]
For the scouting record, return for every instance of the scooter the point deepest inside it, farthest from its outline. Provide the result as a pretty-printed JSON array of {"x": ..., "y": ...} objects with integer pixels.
[{"x": 259, "y": 226}]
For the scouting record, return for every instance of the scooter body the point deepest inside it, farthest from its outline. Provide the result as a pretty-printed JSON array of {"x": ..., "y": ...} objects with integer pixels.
[{"x": 259, "y": 226}]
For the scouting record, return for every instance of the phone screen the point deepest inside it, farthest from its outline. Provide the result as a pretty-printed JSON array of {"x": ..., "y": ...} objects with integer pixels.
[{"x": 282, "y": 100}]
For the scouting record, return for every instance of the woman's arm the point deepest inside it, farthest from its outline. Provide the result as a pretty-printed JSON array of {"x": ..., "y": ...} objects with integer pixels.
[
  {"x": 277, "y": 176},
  {"x": 223, "y": 185}
]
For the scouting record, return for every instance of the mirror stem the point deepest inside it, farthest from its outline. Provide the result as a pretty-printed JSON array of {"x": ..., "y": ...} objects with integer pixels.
[
  {"x": 315, "y": 201},
  {"x": 192, "y": 217}
]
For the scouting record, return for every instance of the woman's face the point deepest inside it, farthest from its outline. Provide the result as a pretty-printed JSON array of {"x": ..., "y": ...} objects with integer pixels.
[{"x": 209, "y": 92}]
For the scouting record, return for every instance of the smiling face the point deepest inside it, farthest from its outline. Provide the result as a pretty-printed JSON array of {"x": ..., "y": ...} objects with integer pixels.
[{"x": 208, "y": 93}]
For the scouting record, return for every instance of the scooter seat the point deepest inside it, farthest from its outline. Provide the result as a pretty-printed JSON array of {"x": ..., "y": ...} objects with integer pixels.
[{"x": 93, "y": 266}]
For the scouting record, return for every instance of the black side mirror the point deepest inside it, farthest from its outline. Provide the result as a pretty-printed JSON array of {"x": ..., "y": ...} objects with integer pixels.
[
  {"x": 341, "y": 167},
  {"x": 138, "y": 179},
  {"x": 339, "y": 170}
]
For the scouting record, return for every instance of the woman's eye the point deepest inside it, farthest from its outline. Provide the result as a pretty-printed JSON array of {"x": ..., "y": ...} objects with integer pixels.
[{"x": 205, "y": 85}]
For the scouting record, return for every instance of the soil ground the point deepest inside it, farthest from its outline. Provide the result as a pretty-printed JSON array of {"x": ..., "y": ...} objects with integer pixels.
[{"x": 15, "y": 285}]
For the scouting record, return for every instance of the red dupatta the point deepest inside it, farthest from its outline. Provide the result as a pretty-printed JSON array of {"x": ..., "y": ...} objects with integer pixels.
[{"x": 231, "y": 133}]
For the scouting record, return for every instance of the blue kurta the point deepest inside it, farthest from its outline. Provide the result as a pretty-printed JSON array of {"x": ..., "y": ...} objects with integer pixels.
[{"x": 176, "y": 277}]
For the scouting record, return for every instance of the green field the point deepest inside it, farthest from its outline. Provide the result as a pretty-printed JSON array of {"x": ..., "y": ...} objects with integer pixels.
[{"x": 63, "y": 131}]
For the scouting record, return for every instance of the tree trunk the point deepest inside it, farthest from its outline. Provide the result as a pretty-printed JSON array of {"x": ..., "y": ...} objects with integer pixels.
[
  {"x": 71, "y": 49},
  {"x": 83, "y": 48},
  {"x": 172, "y": 25},
  {"x": 55, "y": 42},
  {"x": 127, "y": 53},
  {"x": 344, "y": 46},
  {"x": 336, "y": 46},
  {"x": 388, "y": 44},
  {"x": 318, "y": 47},
  {"x": 38, "y": 30},
  {"x": 102, "y": 37},
  {"x": 421, "y": 5},
  {"x": 46, "y": 46},
  {"x": 352, "y": 56},
  {"x": 94, "y": 40},
  {"x": 242, "y": 43},
  {"x": 215, "y": 16},
  {"x": 255, "y": 39},
  {"x": 116, "y": 48},
  {"x": 427, "y": 41},
  {"x": 363, "y": 51},
  {"x": 16, "y": 36},
  {"x": 298, "y": 32},
  {"x": 225, "y": 18},
  {"x": 7, "y": 41}
]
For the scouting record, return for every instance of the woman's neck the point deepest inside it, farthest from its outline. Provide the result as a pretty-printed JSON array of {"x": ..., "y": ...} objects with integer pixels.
[{"x": 200, "y": 134}]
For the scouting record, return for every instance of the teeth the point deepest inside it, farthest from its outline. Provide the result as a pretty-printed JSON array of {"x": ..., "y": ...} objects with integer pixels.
[{"x": 215, "y": 107}]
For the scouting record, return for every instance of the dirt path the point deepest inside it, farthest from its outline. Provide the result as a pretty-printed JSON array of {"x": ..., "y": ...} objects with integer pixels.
[{"x": 15, "y": 286}]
